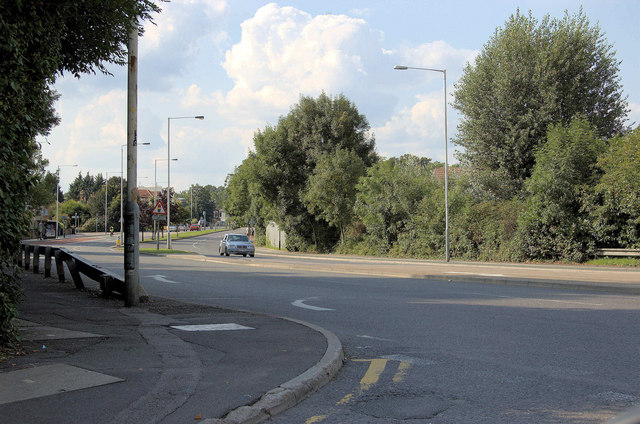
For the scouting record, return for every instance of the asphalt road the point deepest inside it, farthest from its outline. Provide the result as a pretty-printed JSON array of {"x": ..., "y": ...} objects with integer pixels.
[{"x": 428, "y": 351}]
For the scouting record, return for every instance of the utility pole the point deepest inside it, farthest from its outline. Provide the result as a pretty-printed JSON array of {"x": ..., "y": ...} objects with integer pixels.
[{"x": 132, "y": 213}]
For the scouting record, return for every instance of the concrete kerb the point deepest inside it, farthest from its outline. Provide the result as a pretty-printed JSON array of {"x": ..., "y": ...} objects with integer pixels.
[{"x": 292, "y": 392}]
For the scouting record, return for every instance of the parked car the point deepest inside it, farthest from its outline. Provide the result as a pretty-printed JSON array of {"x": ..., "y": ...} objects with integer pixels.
[
  {"x": 236, "y": 244},
  {"x": 182, "y": 228},
  {"x": 194, "y": 227}
]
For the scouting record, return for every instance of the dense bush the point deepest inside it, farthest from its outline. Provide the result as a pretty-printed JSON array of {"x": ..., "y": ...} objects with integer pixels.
[
  {"x": 554, "y": 224},
  {"x": 614, "y": 203}
]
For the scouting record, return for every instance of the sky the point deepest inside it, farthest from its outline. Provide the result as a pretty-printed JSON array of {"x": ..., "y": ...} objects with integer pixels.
[{"x": 243, "y": 64}]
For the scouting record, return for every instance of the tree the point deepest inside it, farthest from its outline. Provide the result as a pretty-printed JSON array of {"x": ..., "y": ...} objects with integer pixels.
[
  {"x": 614, "y": 203},
  {"x": 38, "y": 42},
  {"x": 218, "y": 195},
  {"x": 331, "y": 191},
  {"x": 388, "y": 196},
  {"x": 288, "y": 154},
  {"x": 72, "y": 207},
  {"x": 243, "y": 200},
  {"x": 203, "y": 203},
  {"x": 82, "y": 188},
  {"x": 145, "y": 216},
  {"x": 529, "y": 75},
  {"x": 43, "y": 193},
  {"x": 554, "y": 224}
]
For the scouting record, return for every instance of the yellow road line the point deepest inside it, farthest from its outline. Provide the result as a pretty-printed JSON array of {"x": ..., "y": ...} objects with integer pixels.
[
  {"x": 403, "y": 367},
  {"x": 345, "y": 399},
  {"x": 316, "y": 419},
  {"x": 376, "y": 368}
]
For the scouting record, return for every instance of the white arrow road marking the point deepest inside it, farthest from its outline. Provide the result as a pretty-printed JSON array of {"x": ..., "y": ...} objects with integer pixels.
[
  {"x": 300, "y": 304},
  {"x": 162, "y": 279}
]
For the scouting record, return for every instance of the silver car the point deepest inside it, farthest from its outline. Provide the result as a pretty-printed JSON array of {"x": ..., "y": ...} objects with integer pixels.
[{"x": 236, "y": 244}]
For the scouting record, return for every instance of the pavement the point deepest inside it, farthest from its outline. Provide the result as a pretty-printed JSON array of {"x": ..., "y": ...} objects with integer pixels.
[{"x": 89, "y": 359}]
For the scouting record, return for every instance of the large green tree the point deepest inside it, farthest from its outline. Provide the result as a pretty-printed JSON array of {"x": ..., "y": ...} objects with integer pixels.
[
  {"x": 389, "y": 195},
  {"x": 554, "y": 224},
  {"x": 331, "y": 191},
  {"x": 614, "y": 203},
  {"x": 82, "y": 188},
  {"x": 529, "y": 75},
  {"x": 288, "y": 154},
  {"x": 39, "y": 41},
  {"x": 243, "y": 201}
]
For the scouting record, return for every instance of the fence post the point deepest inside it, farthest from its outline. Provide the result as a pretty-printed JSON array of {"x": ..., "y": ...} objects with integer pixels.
[
  {"x": 75, "y": 274},
  {"x": 27, "y": 256},
  {"x": 59, "y": 266},
  {"x": 36, "y": 259},
  {"x": 47, "y": 261}
]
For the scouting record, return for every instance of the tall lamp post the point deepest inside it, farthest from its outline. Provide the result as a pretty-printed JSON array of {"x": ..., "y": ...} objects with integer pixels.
[
  {"x": 121, "y": 175},
  {"x": 169, "y": 171},
  {"x": 446, "y": 153},
  {"x": 58, "y": 191}
]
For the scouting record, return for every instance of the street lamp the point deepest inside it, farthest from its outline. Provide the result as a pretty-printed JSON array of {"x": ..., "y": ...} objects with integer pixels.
[
  {"x": 446, "y": 154},
  {"x": 169, "y": 171},
  {"x": 121, "y": 175},
  {"x": 58, "y": 191}
]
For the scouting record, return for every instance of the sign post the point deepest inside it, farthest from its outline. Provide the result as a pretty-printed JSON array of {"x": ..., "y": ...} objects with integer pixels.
[{"x": 159, "y": 213}]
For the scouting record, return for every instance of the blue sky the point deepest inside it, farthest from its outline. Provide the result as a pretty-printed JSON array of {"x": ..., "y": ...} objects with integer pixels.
[{"x": 243, "y": 63}]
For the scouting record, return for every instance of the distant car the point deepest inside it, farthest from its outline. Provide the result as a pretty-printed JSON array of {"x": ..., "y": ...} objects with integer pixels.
[
  {"x": 236, "y": 244},
  {"x": 182, "y": 228},
  {"x": 172, "y": 228},
  {"x": 194, "y": 227}
]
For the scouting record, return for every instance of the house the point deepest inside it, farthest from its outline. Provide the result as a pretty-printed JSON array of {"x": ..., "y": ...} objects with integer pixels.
[{"x": 453, "y": 171}]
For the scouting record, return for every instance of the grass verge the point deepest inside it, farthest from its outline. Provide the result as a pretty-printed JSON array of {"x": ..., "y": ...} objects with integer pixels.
[
  {"x": 609, "y": 261},
  {"x": 185, "y": 235}
]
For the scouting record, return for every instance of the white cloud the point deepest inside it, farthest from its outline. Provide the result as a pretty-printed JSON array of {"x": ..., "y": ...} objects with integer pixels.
[
  {"x": 436, "y": 54},
  {"x": 180, "y": 20},
  {"x": 94, "y": 134},
  {"x": 285, "y": 52},
  {"x": 181, "y": 33},
  {"x": 418, "y": 129},
  {"x": 282, "y": 52}
]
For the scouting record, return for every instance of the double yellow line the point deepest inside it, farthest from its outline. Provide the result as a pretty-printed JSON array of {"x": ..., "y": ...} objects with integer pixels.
[{"x": 370, "y": 379}]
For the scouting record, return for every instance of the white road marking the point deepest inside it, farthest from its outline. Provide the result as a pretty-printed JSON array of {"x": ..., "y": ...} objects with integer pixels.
[
  {"x": 300, "y": 304},
  {"x": 534, "y": 298},
  {"x": 364, "y": 336},
  {"x": 474, "y": 273},
  {"x": 162, "y": 279},
  {"x": 212, "y": 327}
]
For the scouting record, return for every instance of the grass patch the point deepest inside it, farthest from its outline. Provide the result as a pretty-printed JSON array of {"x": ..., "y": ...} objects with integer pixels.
[
  {"x": 152, "y": 251},
  {"x": 609, "y": 261},
  {"x": 185, "y": 235}
]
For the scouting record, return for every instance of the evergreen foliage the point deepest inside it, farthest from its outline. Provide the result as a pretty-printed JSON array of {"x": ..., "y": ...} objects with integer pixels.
[
  {"x": 38, "y": 42},
  {"x": 528, "y": 76}
]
